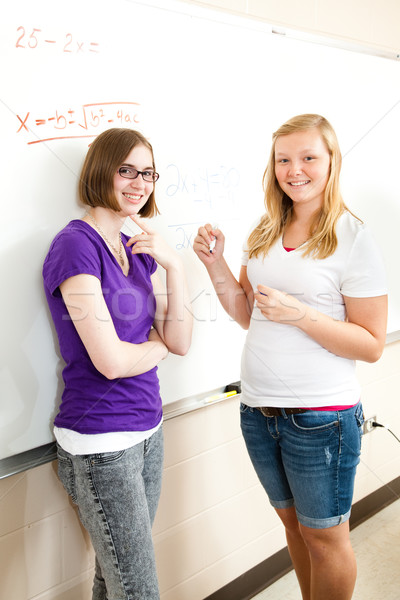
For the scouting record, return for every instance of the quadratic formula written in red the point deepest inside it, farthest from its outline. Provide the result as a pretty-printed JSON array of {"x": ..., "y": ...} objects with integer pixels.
[{"x": 85, "y": 121}]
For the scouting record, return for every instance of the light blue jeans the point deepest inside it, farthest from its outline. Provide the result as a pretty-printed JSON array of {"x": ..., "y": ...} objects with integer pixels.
[
  {"x": 307, "y": 460},
  {"x": 117, "y": 495}
]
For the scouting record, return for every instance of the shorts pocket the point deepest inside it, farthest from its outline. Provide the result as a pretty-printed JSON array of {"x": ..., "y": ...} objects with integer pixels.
[
  {"x": 359, "y": 417},
  {"x": 315, "y": 421},
  {"x": 245, "y": 409}
]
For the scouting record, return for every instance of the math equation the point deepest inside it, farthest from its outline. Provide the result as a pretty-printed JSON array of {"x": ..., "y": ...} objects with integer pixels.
[
  {"x": 204, "y": 184},
  {"x": 31, "y": 39},
  {"x": 205, "y": 187},
  {"x": 85, "y": 121}
]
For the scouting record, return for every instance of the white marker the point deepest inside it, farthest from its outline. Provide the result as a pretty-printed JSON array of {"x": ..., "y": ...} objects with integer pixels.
[{"x": 213, "y": 242}]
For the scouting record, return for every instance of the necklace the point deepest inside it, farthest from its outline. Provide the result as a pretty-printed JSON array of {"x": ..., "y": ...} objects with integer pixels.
[{"x": 119, "y": 252}]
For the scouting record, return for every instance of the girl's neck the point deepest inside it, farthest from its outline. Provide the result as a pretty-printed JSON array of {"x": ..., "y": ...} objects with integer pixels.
[
  {"x": 304, "y": 216},
  {"x": 298, "y": 231},
  {"x": 109, "y": 221}
]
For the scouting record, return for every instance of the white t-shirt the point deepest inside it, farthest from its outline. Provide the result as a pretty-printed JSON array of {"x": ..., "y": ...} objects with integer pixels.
[{"x": 281, "y": 365}]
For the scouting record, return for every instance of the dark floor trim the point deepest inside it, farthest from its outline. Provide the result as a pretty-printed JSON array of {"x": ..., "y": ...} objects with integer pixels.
[
  {"x": 373, "y": 503},
  {"x": 261, "y": 576}
]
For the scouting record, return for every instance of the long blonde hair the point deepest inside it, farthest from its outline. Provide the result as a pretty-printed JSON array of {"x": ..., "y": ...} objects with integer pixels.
[{"x": 279, "y": 207}]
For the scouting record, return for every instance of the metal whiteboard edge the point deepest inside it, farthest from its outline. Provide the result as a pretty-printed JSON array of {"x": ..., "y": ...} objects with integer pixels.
[
  {"x": 336, "y": 42},
  {"x": 250, "y": 21},
  {"x": 27, "y": 460},
  {"x": 181, "y": 407}
]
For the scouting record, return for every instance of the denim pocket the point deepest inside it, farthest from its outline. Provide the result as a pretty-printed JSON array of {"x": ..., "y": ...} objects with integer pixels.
[
  {"x": 66, "y": 474},
  {"x": 359, "y": 417},
  {"x": 105, "y": 458},
  {"x": 315, "y": 421},
  {"x": 245, "y": 409}
]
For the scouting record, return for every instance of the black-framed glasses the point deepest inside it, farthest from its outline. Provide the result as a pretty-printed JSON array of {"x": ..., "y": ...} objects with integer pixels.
[{"x": 131, "y": 173}]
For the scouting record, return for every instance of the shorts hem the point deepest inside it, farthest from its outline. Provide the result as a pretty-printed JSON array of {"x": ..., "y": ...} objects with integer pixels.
[
  {"x": 282, "y": 503},
  {"x": 322, "y": 523}
]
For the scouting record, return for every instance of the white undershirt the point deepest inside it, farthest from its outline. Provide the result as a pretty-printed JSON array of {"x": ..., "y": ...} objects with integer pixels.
[{"x": 82, "y": 443}]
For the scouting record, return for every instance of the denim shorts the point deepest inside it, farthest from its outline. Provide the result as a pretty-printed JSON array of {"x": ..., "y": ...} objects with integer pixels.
[{"x": 307, "y": 460}]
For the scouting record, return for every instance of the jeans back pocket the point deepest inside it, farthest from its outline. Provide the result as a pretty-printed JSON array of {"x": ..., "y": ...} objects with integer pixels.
[{"x": 66, "y": 473}]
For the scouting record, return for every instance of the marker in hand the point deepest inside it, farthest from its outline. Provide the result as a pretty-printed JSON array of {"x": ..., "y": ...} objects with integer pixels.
[
  {"x": 214, "y": 241},
  {"x": 258, "y": 291}
]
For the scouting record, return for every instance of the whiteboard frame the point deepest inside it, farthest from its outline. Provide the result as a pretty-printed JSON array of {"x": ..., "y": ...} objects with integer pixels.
[
  {"x": 47, "y": 453},
  {"x": 260, "y": 24}
]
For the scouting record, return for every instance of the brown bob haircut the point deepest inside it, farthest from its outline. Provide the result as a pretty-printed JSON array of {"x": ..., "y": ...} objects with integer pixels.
[{"x": 105, "y": 155}]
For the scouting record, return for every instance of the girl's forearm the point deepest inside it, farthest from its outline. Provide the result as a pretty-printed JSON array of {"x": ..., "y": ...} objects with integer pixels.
[
  {"x": 342, "y": 338},
  {"x": 178, "y": 320},
  {"x": 230, "y": 293}
]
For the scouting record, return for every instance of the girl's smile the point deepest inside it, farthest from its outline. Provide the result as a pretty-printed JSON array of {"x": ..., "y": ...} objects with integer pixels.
[
  {"x": 132, "y": 194},
  {"x": 302, "y": 166}
]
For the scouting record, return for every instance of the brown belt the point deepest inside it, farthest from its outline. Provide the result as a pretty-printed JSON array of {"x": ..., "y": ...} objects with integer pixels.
[{"x": 273, "y": 411}]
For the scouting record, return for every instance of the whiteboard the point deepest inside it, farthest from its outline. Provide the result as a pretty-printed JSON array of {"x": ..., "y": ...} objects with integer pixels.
[{"x": 208, "y": 90}]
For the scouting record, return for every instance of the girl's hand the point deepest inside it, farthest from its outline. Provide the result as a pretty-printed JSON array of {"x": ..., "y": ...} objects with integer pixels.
[
  {"x": 151, "y": 242},
  {"x": 154, "y": 336},
  {"x": 209, "y": 244},
  {"x": 279, "y": 307}
]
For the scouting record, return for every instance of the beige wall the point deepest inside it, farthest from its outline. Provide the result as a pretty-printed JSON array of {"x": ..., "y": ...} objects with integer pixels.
[{"x": 214, "y": 521}]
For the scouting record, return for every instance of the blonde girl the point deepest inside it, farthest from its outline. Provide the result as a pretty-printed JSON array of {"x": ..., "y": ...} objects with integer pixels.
[{"x": 312, "y": 294}]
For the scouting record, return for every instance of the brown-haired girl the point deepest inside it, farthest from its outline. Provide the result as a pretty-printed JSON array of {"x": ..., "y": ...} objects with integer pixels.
[{"x": 115, "y": 322}]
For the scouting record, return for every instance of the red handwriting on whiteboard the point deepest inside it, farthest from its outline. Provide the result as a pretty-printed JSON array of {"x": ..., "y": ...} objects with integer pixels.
[
  {"x": 31, "y": 39},
  {"x": 87, "y": 121}
]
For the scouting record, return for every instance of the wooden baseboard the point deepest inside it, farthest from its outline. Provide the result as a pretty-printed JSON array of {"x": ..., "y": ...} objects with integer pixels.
[{"x": 261, "y": 576}]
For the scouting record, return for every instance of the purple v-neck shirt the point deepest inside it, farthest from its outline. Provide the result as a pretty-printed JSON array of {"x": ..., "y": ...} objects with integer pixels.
[{"x": 91, "y": 403}]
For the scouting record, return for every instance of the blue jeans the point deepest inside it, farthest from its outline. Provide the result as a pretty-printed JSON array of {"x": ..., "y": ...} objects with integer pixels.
[
  {"x": 307, "y": 460},
  {"x": 117, "y": 495}
]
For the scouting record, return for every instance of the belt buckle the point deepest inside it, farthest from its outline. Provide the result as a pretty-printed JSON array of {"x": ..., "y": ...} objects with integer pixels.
[{"x": 266, "y": 411}]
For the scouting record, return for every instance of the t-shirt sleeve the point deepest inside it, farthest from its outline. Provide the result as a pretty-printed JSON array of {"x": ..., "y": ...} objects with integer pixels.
[
  {"x": 364, "y": 275},
  {"x": 70, "y": 254},
  {"x": 151, "y": 263}
]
